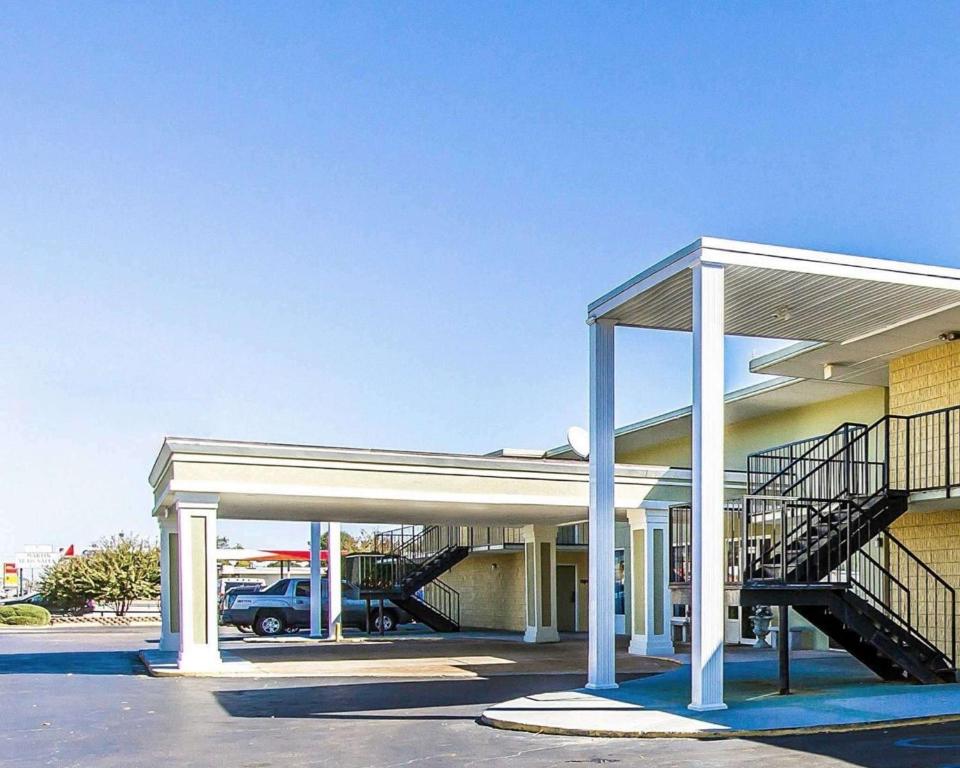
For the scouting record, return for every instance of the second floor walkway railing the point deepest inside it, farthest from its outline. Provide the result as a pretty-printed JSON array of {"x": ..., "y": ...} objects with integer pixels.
[{"x": 420, "y": 541}]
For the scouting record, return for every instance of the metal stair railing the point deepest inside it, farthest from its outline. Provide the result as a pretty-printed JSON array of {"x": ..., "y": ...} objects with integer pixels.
[
  {"x": 828, "y": 522},
  {"x": 769, "y": 470},
  {"x": 441, "y": 598},
  {"x": 419, "y": 542},
  {"x": 376, "y": 574},
  {"x": 932, "y": 609},
  {"x": 680, "y": 542},
  {"x": 836, "y": 554}
]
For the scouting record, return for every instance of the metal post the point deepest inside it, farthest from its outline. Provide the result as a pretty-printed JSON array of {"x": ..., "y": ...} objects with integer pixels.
[
  {"x": 907, "y": 489},
  {"x": 601, "y": 640},
  {"x": 946, "y": 473},
  {"x": 368, "y": 617},
  {"x": 381, "y": 615},
  {"x": 783, "y": 650},
  {"x": 706, "y": 650}
]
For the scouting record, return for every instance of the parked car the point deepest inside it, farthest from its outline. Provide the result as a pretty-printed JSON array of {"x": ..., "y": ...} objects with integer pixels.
[
  {"x": 35, "y": 598},
  {"x": 285, "y": 606},
  {"x": 230, "y": 582},
  {"x": 230, "y": 597}
]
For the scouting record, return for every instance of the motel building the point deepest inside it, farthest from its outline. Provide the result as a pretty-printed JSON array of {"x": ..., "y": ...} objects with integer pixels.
[{"x": 827, "y": 492}]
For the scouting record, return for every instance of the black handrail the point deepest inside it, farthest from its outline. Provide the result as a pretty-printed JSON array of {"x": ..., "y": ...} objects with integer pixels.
[
  {"x": 817, "y": 524},
  {"x": 421, "y": 541},
  {"x": 938, "y": 627},
  {"x": 386, "y": 575},
  {"x": 793, "y": 458}
]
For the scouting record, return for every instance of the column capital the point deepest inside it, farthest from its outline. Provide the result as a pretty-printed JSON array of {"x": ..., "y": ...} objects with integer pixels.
[
  {"x": 648, "y": 515},
  {"x": 196, "y": 502},
  {"x": 540, "y": 533}
]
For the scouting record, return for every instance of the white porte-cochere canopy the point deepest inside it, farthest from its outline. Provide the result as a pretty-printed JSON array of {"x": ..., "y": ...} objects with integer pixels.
[
  {"x": 196, "y": 482},
  {"x": 273, "y": 481},
  {"x": 711, "y": 288}
]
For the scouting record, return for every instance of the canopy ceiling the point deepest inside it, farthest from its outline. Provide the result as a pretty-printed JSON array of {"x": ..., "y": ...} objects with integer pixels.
[{"x": 785, "y": 293}]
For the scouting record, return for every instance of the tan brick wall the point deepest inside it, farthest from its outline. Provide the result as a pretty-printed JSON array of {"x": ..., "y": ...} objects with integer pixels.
[
  {"x": 933, "y": 537},
  {"x": 925, "y": 380},
  {"x": 491, "y": 587}
]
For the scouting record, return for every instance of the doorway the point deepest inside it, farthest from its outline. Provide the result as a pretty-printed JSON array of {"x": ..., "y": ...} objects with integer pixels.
[{"x": 566, "y": 598}]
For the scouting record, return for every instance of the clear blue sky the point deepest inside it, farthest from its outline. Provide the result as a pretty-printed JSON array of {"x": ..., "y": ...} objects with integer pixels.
[{"x": 380, "y": 224}]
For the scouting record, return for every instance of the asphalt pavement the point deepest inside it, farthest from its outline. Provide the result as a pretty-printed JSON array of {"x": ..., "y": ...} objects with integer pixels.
[{"x": 80, "y": 698}]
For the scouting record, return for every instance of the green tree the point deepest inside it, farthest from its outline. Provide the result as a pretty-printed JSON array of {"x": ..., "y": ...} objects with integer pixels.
[
  {"x": 62, "y": 588},
  {"x": 362, "y": 542},
  {"x": 118, "y": 570}
]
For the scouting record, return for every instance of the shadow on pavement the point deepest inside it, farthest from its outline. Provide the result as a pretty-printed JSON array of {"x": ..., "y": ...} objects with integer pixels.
[
  {"x": 922, "y": 746},
  {"x": 75, "y": 663},
  {"x": 390, "y": 700}
]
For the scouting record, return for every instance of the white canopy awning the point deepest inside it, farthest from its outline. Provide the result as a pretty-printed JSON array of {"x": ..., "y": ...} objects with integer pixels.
[{"x": 784, "y": 293}]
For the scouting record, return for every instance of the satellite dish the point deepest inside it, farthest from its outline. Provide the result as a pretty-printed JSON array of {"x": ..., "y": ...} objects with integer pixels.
[{"x": 579, "y": 440}]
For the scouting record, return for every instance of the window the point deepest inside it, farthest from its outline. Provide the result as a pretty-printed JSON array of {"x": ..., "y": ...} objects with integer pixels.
[
  {"x": 303, "y": 589},
  {"x": 733, "y": 612},
  {"x": 280, "y": 588}
]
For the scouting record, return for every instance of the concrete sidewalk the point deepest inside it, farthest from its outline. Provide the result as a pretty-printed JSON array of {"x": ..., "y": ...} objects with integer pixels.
[
  {"x": 830, "y": 692},
  {"x": 433, "y": 655}
]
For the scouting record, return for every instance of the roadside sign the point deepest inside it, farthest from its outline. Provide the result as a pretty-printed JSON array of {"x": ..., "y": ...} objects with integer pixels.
[
  {"x": 36, "y": 560},
  {"x": 10, "y": 579}
]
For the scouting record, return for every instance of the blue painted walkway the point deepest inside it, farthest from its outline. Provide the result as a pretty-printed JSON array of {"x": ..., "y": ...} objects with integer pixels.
[{"x": 830, "y": 691}]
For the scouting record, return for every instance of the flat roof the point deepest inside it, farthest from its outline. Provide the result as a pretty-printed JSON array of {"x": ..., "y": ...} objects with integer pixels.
[
  {"x": 784, "y": 293},
  {"x": 863, "y": 360},
  {"x": 271, "y": 481}
]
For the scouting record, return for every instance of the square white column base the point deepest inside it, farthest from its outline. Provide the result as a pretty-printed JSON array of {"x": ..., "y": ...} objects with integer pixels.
[
  {"x": 658, "y": 645},
  {"x": 601, "y": 686},
  {"x": 541, "y": 635},
  {"x": 706, "y": 707},
  {"x": 199, "y": 658}
]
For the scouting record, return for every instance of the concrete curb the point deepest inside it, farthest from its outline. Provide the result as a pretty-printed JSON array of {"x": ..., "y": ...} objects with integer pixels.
[
  {"x": 714, "y": 735},
  {"x": 154, "y": 670},
  {"x": 55, "y": 626}
]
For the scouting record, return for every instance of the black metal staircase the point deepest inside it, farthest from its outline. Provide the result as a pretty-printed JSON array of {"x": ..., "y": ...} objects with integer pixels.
[
  {"x": 406, "y": 569},
  {"x": 813, "y": 533},
  {"x": 815, "y": 536}
]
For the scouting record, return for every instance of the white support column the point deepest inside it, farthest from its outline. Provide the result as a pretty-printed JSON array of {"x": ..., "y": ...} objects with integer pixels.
[
  {"x": 650, "y": 593},
  {"x": 197, "y": 563},
  {"x": 169, "y": 584},
  {"x": 334, "y": 608},
  {"x": 316, "y": 583},
  {"x": 601, "y": 661},
  {"x": 708, "y": 572},
  {"x": 540, "y": 561}
]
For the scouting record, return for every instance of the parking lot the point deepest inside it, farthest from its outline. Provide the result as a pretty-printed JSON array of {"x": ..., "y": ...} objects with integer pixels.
[{"x": 80, "y": 697}]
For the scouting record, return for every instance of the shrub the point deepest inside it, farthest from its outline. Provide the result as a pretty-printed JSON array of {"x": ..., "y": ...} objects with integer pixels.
[
  {"x": 24, "y": 615},
  {"x": 119, "y": 570}
]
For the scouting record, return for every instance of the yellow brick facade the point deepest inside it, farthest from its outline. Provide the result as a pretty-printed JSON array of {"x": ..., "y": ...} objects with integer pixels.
[
  {"x": 925, "y": 381},
  {"x": 491, "y": 587}
]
